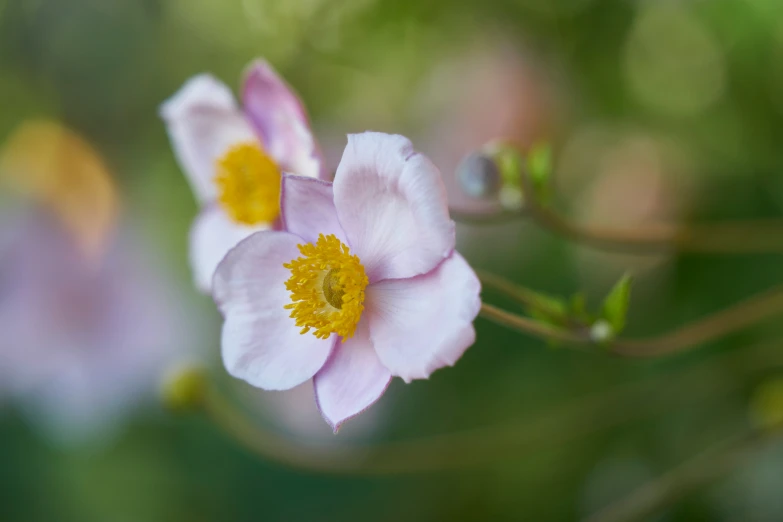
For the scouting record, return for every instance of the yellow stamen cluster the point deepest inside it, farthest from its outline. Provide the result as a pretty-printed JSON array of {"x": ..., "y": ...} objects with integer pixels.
[
  {"x": 249, "y": 184},
  {"x": 327, "y": 288}
]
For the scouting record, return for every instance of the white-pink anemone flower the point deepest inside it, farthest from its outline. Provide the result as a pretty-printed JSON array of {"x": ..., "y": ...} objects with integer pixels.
[
  {"x": 234, "y": 156},
  {"x": 84, "y": 342},
  {"x": 362, "y": 285}
]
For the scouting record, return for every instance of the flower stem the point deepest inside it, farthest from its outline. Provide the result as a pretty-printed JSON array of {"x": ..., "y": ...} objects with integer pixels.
[
  {"x": 735, "y": 318},
  {"x": 586, "y": 415},
  {"x": 747, "y": 237},
  {"x": 520, "y": 294},
  {"x": 750, "y": 237},
  {"x": 531, "y": 326},
  {"x": 709, "y": 465}
]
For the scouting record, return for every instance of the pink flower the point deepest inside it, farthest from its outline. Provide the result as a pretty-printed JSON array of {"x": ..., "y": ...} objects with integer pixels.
[
  {"x": 363, "y": 285},
  {"x": 84, "y": 341},
  {"x": 233, "y": 157}
]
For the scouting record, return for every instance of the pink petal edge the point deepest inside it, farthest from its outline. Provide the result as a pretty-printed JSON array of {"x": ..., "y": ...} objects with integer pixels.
[
  {"x": 279, "y": 116},
  {"x": 391, "y": 203},
  {"x": 203, "y": 121},
  {"x": 307, "y": 208},
  {"x": 424, "y": 323},
  {"x": 352, "y": 380}
]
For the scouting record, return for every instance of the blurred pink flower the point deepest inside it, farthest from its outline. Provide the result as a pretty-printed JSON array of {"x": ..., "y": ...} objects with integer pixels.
[
  {"x": 369, "y": 264},
  {"x": 83, "y": 342},
  {"x": 233, "y": 157}
]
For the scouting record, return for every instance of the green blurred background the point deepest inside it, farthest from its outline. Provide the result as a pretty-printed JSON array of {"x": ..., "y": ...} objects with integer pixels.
[{"x": 656, "y": 110}]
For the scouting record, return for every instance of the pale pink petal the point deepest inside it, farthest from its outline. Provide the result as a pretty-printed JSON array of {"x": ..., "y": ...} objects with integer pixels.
[
  {"x": 260, "y": 342},
  {"x": 203, "y": 121},
  {"x": 281, "y": 120},
  {"x": 391, "y": 203},
  {"x": 213, "y": 234},
  {"x": 421, "y": 324},
  {"x": 307, "y": 208},
  {"x": 352, "y": 379}
]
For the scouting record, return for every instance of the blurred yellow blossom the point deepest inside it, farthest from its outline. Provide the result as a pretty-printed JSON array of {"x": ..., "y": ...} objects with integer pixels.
[{"x": 55, "y": 167}]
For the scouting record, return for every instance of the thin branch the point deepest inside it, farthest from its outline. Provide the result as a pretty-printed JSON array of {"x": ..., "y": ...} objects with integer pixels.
[
  {"x": 520, "y": 294},
  {"x": 531, "y": 300},
  {"x": 733, "y": 319},
  {"x": 531, "y": 326},
  {"x": 750, "y": 237},
  {"x": 579, "y": 418},
  {"x": 747, "y": 237},
  {"x": 706, "y": 467}
]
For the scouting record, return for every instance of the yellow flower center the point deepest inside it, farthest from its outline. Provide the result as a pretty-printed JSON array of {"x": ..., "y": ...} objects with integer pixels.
[
  {"x": 327, "y": 288},
  {"x": 249, "y": 184}
]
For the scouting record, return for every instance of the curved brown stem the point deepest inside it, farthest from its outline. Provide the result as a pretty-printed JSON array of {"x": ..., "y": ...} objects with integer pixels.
[
  {"x": 747, "y": 237},
  {"x": 516, "y": 292},
  {"x": 735, "y": 318},
  {"x": 750, "y": 237},
  {"x": 579, "y": 418},
  {"x": 702, "y": 469},
  {"x": 526, "y": 325}
]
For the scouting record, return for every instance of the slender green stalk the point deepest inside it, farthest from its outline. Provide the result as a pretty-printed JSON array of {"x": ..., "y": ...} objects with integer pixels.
[
  {"x": 531, "y": 326},
  {"x": 746, "y": 313},
  {"x": 587, "y": 415},
  {"x": 520, "y": 294},
  {"x": 746, "y": 237},
  {"x": 706, "y": 467}
]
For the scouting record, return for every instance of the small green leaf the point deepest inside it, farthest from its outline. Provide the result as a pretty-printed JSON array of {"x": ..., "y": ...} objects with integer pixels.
[
  {"x": 615, "y": 307},
  {"x": 578, "y": 307},
  {"x": 509, "y": 161},
  {"x": 547, "y": 309},
  {"x": 539, "y": 167}
]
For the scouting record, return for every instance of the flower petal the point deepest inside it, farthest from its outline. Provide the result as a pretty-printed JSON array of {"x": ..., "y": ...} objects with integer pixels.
[
  {"x": 392, "y": 204},
  {"x": 280, "y": 118},
  {"x": 260, "y": 342},
  {"x": 352, "y": 380},
  {"x": 421, "y": 324},
  {"x": 203, "y": 122},
  {"x": 307, "y": 208},
  {"x": 213, "y": 234}
]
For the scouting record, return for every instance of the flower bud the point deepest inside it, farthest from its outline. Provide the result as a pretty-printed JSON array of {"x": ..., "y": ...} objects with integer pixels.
[
  {"x": 184, "y": 388},
  {"x": 478, "y": 175},
  {"x": 766, "y": 404}
]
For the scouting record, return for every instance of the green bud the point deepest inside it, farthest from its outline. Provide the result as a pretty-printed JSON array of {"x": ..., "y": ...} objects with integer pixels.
[
  {"x": 184, "y": 388},
  {"x": 766, "y": 404},
  {"x": 496, "y": 171},
  {"x": 539, "y": 168}
]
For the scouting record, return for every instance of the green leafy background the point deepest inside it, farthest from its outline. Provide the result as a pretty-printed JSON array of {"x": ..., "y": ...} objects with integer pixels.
[{"x": 708, "y": 83}]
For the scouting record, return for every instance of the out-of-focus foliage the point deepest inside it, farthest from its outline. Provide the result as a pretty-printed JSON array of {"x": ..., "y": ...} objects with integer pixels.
[{"x": 655, "y": 111}]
